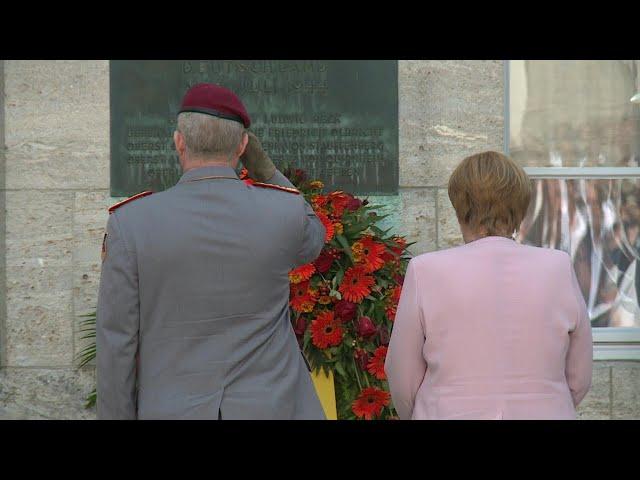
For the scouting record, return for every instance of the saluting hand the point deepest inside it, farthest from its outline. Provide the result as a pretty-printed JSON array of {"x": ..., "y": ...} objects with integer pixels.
[{"x": 256, "y": 160}]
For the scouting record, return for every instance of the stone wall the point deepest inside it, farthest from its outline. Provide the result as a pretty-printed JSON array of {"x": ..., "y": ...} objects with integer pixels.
[
  {"x": 3, "y": 277},
  {"x": 56, "y": 129},
  {"x": 57, "y": 178}
]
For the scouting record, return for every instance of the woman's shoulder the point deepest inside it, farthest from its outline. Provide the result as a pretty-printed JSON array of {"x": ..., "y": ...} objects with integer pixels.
[
  {"x": 546, "y": 254},
  {"x": 464, "y": 253},
  {"x": 438, "y": 256}
]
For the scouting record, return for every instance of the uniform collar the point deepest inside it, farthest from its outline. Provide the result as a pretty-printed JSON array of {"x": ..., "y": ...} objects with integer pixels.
[{"x": 214, "y": 170}]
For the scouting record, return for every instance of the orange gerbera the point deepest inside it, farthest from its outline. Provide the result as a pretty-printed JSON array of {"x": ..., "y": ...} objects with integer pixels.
[
  {"x": 302, "y": 299},
  {"x": 370, "y": 403},
  {"x": 356, "y": 284},
  {"x": 391, "y": 312},
  {"x": 395, "y": 294},
  {"x": 339, "y": 201},
  {"x": 319, "y": 201},
  {"x": 339, "y": 228},
  {"x": 376, "y": 364},
  {"x": 369, "y": 253},
  {"x": 327, "y": 225},
  {"x": 326, "y": 330},
  {"x": 302, "y": 273},
  {"x": 389, "y": 256},
  {"x": 324, "y": 300},
  {"x": 392, "y": 302},
  {"x": 392, "y": 254}
]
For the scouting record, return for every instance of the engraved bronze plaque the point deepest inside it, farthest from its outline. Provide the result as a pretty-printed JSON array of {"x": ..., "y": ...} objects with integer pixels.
[{"x": 336, "y": 119}]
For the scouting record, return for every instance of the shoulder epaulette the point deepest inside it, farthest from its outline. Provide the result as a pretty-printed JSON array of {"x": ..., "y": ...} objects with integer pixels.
[
  {"x": 277, "y": 187},
  {"x": 113, "y": 208}
]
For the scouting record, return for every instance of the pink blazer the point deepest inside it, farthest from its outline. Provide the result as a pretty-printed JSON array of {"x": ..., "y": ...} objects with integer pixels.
[{"x": 490, "y": 330}]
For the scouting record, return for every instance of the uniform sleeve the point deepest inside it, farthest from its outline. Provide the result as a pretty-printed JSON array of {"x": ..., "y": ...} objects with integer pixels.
[
  {"x": 117, "y": 325},
  {"x": 405, "y": 365},
  {"x": 313, "y": 232},
  {"x": 579, "y": 365}
]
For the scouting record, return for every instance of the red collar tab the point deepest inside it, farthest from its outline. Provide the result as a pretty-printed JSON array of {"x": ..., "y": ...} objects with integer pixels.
[
  {"x": 113, "y": 208},
  {"x": 276, "y": 187}
]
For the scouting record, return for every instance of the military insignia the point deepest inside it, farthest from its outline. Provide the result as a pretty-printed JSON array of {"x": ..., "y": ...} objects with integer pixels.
[
  {"x": 103, "y": 254},
  {"x": 277, "y": 187},
  {"x": 113, "y": 208}
]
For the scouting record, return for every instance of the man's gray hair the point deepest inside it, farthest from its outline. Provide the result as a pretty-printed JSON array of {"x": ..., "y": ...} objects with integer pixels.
[{"x": 206, "y": 135}]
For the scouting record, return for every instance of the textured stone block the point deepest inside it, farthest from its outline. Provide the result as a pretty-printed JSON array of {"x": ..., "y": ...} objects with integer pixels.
[
  {"x": 39, "y": 231},
  {"x": 86, "y": 280},
  {"x": 625, "y": 385},
  {"x": 597, "y": 404},
  {"x": 449, "y": 234},
  {"x": 417, "y": 218},
  {"x": 90, "y": 217},
  {"x": 448, "y": 110},
  {"x": 3, "y": 286},
  {"x": 51, "y": 83},
  {"x": 37, "y": 394},
  {"x": 89, "y": 222},
  {"x": 39, "y": 328},
  {"x": 57, "y": 124}
]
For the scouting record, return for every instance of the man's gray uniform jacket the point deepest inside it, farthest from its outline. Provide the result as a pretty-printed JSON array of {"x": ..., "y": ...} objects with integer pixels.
[{"x": 195, "y": 281}]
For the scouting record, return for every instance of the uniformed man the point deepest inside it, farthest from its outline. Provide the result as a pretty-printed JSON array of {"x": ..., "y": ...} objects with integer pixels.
[{"x": 193, "y": 310}]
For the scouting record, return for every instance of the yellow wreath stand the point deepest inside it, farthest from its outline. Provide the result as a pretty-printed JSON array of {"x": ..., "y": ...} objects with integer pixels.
[{"x": 326, "y": 390}]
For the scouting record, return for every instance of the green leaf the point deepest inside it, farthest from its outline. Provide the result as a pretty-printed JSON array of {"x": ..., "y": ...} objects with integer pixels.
[
  {"x": 91, "y": 399},
  {"x": 345, "y": 245}
]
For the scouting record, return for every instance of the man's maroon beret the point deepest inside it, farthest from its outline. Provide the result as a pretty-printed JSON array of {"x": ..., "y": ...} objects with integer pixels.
[{"x": 215, "y": 100}]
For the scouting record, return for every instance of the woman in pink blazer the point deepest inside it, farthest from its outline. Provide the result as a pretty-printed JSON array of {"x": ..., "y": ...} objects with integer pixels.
[{"x": 491, "y": 329}]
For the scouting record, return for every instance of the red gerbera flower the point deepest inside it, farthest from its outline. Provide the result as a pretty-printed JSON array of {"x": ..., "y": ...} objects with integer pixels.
[
  {"x": 391, "y": 312},
  {"x": 327, "y": 225},
  {"x": 389, "y": 257},
  {"x": 302, "y": 299},
  {"x": 395, "y": 294},
  {"x": 325, "y": 330},
  {"x": 319, "y": 201},
  {"x": 393, "y": 254},
  {"x": 369, "y": 253},
  {"x": 392, "y": 302},
  {"x": 370, "y": 403},
  {"x": 356, "y": 284},
  {"x": 339, "y": 201},
  {"x": 376, "y": 363},
  {"x": 302, "y": 273}
]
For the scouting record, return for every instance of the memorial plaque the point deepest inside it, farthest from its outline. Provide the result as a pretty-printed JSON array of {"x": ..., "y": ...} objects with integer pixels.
[{"x": 336, "y": 119}]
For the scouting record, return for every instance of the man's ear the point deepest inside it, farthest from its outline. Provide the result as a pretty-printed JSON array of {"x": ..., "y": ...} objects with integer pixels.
[
  {"x": 178, "y": 139},
  {"x": 243, "y": 145}
]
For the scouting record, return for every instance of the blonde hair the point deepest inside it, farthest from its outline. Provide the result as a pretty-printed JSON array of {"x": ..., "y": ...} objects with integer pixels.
[{"x": 491, "y": 192}]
